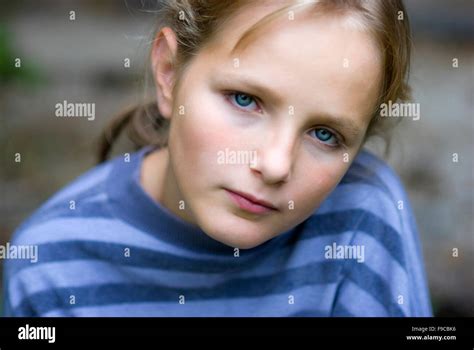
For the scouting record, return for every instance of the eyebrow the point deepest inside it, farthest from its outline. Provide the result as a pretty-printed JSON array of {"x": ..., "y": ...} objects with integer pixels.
[
  {"x": 345, "y": 124},
  {"x": 244, "y": 79}
]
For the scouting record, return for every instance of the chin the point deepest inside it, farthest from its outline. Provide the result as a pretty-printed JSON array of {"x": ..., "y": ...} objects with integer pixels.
[{"x": 235, "y": 235}]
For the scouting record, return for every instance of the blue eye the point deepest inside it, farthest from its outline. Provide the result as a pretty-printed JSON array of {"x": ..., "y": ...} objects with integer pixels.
[
  {"x": 242, "y": 100},
  {"x": 325, "y": 136}
]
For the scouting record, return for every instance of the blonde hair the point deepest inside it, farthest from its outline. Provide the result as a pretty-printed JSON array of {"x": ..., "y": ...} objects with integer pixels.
[{"x": 196, "y": 22}]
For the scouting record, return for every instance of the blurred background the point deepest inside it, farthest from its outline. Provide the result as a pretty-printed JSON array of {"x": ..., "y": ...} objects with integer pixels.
[{"x": 84, "y": 60}]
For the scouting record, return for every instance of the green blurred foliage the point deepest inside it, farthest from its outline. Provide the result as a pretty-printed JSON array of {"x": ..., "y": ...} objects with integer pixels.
[{"x": 27, "y": 73}]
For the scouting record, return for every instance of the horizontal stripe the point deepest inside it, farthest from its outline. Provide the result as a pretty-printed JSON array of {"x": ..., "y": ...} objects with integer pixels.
[
  {"x": 319, "y": 273},
  {"x": 144, "y": 257},
  {"x": 93, "y": 271},
  {"x": 366, "y": 198},
  {"x": 370, "y": 282},
  {"x": 103, "y": 294},
  {"x": 305, "y": 304},
  {"x": 84, "y": 185},
  {"x": 111, "y": 230},
  {"x": 317, "y": 225},
  {"x": 357, "y": 220},
  {"x": 62, "y": 209},
  {"x": 359, "y": 172}
]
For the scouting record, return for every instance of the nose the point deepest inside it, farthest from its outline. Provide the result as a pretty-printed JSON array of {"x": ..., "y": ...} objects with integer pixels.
[{"x": 274, "y": 161}]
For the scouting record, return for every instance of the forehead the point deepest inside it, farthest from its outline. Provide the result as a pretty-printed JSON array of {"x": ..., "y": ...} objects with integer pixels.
[{"x": 313, "y": 60}]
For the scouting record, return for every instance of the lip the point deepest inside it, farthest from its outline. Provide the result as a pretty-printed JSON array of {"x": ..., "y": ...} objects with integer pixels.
[{"x": 250, "y": 203}]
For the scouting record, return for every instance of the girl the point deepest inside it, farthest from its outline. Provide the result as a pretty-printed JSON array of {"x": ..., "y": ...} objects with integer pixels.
[{"x": 249, "y": 193}]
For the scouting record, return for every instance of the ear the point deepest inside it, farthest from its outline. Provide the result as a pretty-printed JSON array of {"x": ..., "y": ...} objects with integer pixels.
[{"x": 163, "y": 55}]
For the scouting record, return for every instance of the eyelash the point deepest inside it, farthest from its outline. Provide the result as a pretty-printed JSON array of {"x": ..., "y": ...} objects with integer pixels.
[
  {"x": 235, "y": 93},
  {"x": 337, "y": 145}
]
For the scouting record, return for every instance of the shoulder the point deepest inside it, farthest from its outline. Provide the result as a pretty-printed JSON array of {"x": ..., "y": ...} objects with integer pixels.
[
  {"x": 369, "y": 207},
  {"x": 371, "y": 188},
  {"x": 369, "y": 213},
  {"x": 56, "y": 233},
  {"x": 82, "y": 198}
]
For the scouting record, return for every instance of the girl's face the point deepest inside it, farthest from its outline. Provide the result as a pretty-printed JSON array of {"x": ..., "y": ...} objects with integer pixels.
[{"x": 279, "y": 122}]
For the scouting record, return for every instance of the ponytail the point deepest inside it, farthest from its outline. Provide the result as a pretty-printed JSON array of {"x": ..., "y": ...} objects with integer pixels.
[{"x": 144, "y": 126}]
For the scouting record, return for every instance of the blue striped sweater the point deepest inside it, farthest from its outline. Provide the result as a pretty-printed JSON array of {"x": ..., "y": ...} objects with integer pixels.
[{"x": 105, "y": 248}]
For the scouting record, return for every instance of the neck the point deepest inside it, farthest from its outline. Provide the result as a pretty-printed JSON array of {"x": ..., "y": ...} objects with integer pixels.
[{"x": 159, "y": 182}]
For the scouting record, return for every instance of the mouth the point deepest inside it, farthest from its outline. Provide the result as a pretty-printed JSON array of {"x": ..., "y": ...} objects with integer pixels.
[{"x": 250, "y": 203}]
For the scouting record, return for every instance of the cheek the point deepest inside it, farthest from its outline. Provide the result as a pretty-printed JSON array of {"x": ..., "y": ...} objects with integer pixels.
[
  {"x": 315, "y": 182},
  {"x": 199, "y": 135}
]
